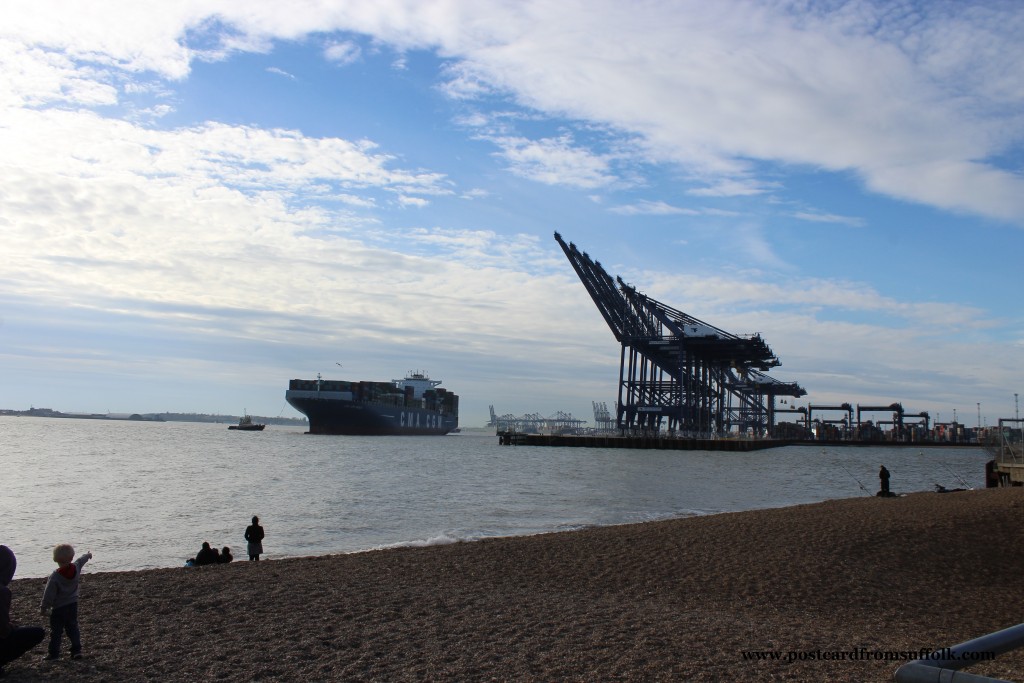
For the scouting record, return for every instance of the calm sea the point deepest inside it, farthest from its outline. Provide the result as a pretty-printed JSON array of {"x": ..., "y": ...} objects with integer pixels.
[{"x": 147, "y": 494}]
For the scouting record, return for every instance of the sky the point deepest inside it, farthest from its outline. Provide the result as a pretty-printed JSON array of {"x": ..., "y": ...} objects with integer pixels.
[{"x": 200, "y": 200}]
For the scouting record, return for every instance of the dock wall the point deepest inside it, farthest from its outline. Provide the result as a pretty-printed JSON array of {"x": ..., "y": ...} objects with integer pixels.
[
  {"x": 640, "y": 442},
  {"x": 684, "y": 444}
]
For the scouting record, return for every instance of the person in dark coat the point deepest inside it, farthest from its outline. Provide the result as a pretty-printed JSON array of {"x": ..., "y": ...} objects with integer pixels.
[
  {"x": 14, "y": 640},
  {"x": 254, "y": 535},
  {"x": 225, "y": 555},
  {"x": 883, "y": 478},
  {"x": 206, "y": 555}
]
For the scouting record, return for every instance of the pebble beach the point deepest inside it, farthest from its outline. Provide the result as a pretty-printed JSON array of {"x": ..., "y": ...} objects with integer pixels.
[{"x": 691, "y": 599}]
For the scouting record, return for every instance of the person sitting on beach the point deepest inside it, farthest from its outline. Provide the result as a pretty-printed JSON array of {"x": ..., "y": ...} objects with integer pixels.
[
  {"x": 14, "y": 640},
  {"x": 225, "y": 555},
  {"x": 206, "y": 555},
  {"x": 254, "y": 535}
]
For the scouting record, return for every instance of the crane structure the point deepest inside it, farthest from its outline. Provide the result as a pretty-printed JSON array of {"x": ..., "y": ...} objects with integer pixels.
[
  {"x": 535, "y": 423},
  {"x": 602, "y": 418},
  {"x": 831, "y": 429},
  {"x": 678, "y": 372}
]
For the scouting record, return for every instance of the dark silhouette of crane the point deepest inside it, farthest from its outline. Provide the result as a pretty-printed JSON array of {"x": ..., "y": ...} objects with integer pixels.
[{"x": 679, "y": 372}]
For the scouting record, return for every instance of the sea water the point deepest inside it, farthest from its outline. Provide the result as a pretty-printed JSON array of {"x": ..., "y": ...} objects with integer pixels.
[{"x": 147, "y": 494}]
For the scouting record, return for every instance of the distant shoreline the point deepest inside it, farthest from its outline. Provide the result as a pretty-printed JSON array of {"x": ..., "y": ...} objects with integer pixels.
[{"x": 154, "y": 417}]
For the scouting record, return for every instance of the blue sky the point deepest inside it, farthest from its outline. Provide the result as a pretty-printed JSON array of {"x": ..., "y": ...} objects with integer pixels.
[{"x": 203, "y": 200}]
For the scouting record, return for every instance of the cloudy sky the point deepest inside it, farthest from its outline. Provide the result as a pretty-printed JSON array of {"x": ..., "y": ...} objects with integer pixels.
[{"x": 200, "y": 200}]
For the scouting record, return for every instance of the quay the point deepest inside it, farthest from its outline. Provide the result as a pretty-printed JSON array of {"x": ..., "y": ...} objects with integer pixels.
[
  {"x": 640, "y": 442},
  {"x": 672, "y": 443},
  {"x": 1007, "y": 468}
]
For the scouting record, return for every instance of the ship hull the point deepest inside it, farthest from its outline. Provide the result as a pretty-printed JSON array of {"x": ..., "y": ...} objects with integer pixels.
[{"x": 356, "y": 418}]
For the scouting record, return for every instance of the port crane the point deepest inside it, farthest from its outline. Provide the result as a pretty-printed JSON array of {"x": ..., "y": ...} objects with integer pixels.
[
  {"x": 535, "y": 423},
  {"x": 679, "y": 372}
]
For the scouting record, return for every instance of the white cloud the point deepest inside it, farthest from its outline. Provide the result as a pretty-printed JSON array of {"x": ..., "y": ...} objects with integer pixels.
[
  {"x": 473, "y": 120},
  {"x": 652, "y": 208},
  {"x": 343, "y": 53},
  {"x": 898, "y": 99},
  {"x": 33, "y": 76},
  {"x": 280, "y": 72},
  {"x": 817, "y": 217},
  {"x": 135, "y": 37},
  {"x": 914, "y": 102},
  {"x": 147, "y": 208},
  {"x": 405, "y": 200},
  {"x": 731, "y": 187},
  {"x": 739, "y": 294},
  {"x": 462, "y": 84},
  {"x": 555, "y": 161}
]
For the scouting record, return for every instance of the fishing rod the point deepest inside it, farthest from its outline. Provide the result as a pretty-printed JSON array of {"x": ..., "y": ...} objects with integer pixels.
[
  {"x": 958, "y": 477},
  {"x": 949, "y": 469},
  {"x": 862, "y": 488}
]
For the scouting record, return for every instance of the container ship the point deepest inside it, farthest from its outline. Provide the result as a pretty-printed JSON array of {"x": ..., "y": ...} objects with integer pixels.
[{"x": 415, "y": 405}]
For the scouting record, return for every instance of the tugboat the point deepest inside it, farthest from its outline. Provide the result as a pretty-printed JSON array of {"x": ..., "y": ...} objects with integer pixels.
[{"x": 246, "y": 424}]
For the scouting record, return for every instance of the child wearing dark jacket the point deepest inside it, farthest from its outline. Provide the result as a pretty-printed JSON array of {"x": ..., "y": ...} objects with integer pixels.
[{"x": 61, "y": 595}]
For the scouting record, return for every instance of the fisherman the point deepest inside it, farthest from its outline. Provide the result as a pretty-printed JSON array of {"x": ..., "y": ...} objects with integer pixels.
[{"x": 883, "y": 477}]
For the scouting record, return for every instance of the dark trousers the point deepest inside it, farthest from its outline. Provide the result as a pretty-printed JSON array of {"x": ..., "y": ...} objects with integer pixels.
[
  {"x": 65, "y": 619},
  {"x": 19, "y": 641}
]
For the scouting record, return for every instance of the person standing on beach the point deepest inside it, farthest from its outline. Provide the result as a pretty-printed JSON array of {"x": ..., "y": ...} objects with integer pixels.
[
  {"x": 883, "y": 477},
  {"x": 14, "y": 640},
  {"x": 61, "y": 594},
  {"x": 254, "y": 535}
]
